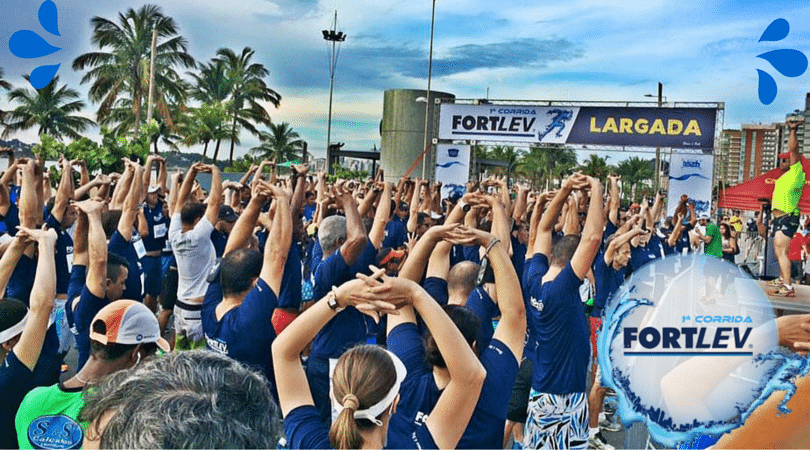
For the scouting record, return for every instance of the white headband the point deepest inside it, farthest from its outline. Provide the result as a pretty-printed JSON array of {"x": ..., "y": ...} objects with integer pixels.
[
  {"x": 375, "y": 410},
  {"x": 9, "y": 333}
]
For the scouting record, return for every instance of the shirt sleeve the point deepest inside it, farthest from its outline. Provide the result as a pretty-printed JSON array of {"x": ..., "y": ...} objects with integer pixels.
[
  {"x": 304, "y": 429},
  {"x": 502, "y": 369},
  {"x": 437, "y": 288},
  {"x": 535, "y": 270},
  {"x": 175, "y": 226},
  {"x": 406, "y": 342}
]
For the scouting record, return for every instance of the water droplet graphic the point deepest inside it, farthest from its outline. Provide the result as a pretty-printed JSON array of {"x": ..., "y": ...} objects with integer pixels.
[
  {"x": 48, "y": 17},
  {"x": 776, "y": 31},
  {"x": 42, "y": 75},
  {"x": 767, "y": 88},
  {"x": 790, "y": 63},
  {"x": 27, "y": 44}
]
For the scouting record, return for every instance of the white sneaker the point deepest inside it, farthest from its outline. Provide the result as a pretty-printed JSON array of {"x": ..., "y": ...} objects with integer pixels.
[
  {"x": 608, "y": 424},
  {"x": 598, "y": 442}
]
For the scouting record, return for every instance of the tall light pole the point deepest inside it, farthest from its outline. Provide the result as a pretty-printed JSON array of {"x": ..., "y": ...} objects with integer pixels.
[
  {"x": 427, "y": 103},
  {"x": 334, "y": 37},
  {"x": 658, "y": 149}
]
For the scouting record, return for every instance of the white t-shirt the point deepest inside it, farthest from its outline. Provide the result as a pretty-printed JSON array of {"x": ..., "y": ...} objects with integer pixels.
[{"x": 195, "y": 257}]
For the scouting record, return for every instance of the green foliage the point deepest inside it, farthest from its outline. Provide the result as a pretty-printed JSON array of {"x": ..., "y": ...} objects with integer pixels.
[
  {"x": 346, "y": 174},
  {"x": 105, "y": 158},
  {"x": 241, "y": 165}
]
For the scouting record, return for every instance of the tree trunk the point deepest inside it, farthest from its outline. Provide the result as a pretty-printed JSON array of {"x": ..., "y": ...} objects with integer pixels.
[
  {"x": 205, "y": 151},
  {"x": 233, "y": 138},
  {"x": 156, "y": 148},
  {"x": 216, "y": 150}
]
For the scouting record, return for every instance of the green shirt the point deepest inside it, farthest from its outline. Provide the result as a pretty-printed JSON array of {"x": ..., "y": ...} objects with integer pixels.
[
  {"x": 715, "y": 247},
  {"x": 787, "y": 190},
  {"x": 48, "y": 418}
]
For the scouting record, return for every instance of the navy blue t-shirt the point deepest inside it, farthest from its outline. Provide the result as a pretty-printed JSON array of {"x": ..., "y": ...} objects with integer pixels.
[
  {"x": 220, "y": 240},
  {"x": 419, "y": 392},
  {"x": 305, "y": 430},
  {"x": 309, "y": 212},
  {"x": 559, "y": 335},
  {"x": 436, "y": 288},
  {"x": 518, "y": 255},
  {"x": 610, "y": 229},
  {"x": 480, "y": 303},
  {"x": 290, "y": 293},
  {"x": 89, "y": 305},
  {"x": 366, "y": 258},
  {"x": 158, "y": 225},
  {"x": 608, "y": 281},
  {"x": 396, "y": 234},
  {"x": 78, "y": 277},
  {"x": 64, "y": 247},
  {"x": 22, "y": 280},
  {"x": 126, "y": 250},
  {"x": 683, "y": 241},
  {"x": 16, "y": 381},
  {"x": 244, "y": 333}
]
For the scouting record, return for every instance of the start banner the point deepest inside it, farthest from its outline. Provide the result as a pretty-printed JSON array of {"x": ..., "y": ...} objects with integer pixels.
[{"x": 628, "y": 126}]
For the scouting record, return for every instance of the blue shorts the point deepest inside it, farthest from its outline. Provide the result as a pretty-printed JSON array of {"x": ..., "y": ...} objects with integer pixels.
[{"x": 152, "y": 276}]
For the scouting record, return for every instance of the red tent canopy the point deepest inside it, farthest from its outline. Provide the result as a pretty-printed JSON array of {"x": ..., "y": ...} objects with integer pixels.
[{"x": 746, "y": 196}]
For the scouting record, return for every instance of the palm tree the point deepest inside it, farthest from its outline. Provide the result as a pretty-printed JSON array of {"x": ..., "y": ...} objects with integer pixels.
[
  {"x": 123, "y": 69},
  {"x": 205, "y": 124},
  {"x": 211, "y": 85},
  {"x": 50, "y": 108},
  {"x": 7, "y": 86},
  {"x": 281, "y": 143},
  {"x": 634, "y": 171},
  {"x": 247, "y": 89},
  {"x": 596, "y": 167}
]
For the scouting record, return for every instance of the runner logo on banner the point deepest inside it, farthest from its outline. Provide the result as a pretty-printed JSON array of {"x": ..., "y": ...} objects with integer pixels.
[
  {"x": 690, "y": 175},
  {"x": 453, "y": 169}
]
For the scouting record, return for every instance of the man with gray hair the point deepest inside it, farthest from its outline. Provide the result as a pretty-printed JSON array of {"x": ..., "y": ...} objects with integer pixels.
[{"x": 192, "y": 399}]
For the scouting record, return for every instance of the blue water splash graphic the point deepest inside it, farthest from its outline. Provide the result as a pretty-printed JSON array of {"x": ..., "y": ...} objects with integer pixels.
[
  {"x": 776, "y": 31},
  {"x": 687, "y": 176},
  {"x": 48, "y": 17},
  {"x": 28, "y": 44},
  {"x": 448, "y": 164},
  {"x": 789, "y": 62}
]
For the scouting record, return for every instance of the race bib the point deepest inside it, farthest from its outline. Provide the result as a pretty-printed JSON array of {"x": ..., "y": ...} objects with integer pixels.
[
  {"x": 139, "y": 248},
  {"x": 160, "y": 230}
]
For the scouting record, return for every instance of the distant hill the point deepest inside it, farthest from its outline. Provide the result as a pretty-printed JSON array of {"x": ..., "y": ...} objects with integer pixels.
[{"x": 21, "y": 149}]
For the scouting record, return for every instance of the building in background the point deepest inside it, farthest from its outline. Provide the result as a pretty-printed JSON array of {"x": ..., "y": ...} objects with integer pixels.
[
  {"x": 727, "y": 168},
  {"x": 759, "y": 147},
  {"x": 803, "y": 132}
]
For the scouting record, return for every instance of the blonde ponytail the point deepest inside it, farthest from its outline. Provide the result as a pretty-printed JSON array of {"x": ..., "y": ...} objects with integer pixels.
[{"x": 344, "y": 433}]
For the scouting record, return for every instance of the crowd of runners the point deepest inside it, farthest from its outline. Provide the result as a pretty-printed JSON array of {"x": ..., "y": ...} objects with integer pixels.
[{"x": 289, "y": 311}]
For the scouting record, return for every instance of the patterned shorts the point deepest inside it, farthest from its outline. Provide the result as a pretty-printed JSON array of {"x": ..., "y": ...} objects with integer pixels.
[{"x": 557, "y": 421}]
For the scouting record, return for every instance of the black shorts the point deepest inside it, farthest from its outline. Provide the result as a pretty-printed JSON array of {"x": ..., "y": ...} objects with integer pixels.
[
  {"x": 517, "y": 410},
  {"x": 787, "y": 224},
  {"x": 169, "y": 289}
]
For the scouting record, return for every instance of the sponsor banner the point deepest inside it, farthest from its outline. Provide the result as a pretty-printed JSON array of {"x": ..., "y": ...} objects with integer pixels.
[
  {"x": 509, "y": 123},
  {"x": 637, "y": 127},
  {"x": 452, "y": 168},
  {"x": 645, "y": 127},
  {"x": 690, "y": 175}
]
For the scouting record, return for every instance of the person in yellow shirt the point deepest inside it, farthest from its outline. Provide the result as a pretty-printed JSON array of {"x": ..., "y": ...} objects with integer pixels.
[{"x": 787, "y": 192}]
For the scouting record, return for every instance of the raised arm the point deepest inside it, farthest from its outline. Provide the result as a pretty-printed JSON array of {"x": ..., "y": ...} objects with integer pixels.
[
  {"x": 187, "y": 186},
  {"x": 129, "y": 210},
  {"x": 520, "y": 203},
  {"x": 174, "y": 192},
  {"x": 243, "y": 228},
  {"x": 377, "y": 233},
  {"x": 618, "y": 241},
  {"x": 275, "y": 255},
  {"x": 64, "y": 193},
  {"x": 355, "y": 233},
  {"x": 122, "y": 187},
  {"x": 215, "y": 197},
  {"x": 28, "y": 196},
  {"x": 80, "y": 240},
  {"x": 542, "y": 242},
  {"x": 29, "y": 347},
  {"x": 414, "y": 206},
  {"x": 83, "y": 174},
  {"x": 615, "y": 199},
  {"x": 9, "y": 261},
  {"x": 163, "y": 175},
  {"x": 591, "y": 239},
  {"x": 97, "y": 248}
]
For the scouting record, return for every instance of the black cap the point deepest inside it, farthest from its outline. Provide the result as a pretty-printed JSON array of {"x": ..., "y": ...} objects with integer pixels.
[{"x": 227, "y": 213}]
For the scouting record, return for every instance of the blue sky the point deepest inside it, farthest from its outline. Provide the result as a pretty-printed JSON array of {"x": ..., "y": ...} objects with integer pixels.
[{"x": 572, "y": 50}]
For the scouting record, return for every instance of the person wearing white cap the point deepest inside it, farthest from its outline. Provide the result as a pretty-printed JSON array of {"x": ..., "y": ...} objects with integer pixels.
[
  {"x": 22, "y": 330},
  {"x": 122, "y": 334},
  {"x": 366, "y": 379}
]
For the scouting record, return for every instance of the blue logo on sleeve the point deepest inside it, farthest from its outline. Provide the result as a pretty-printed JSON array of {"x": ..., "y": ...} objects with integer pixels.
[
  {"x": 28, "y": 44},
  {"x": 55, "y": 432}
]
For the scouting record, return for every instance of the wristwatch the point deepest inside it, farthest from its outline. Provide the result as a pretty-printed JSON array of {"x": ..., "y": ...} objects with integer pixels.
[
  {"x": 465, "y": 206},
  {"x": 332, "y": 303}
]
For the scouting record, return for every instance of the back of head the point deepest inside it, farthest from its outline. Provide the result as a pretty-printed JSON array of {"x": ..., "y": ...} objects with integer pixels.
[
  {"x": 563, "y": 250},
  {"x": 191, "y": 212},
  {"x": 13, "y": 315},
  {"x": 191, "y": 399},
  {"x": 331, "y": 232},
  {"x": 115, "y": 265},
  {"x": 109, "y": 220},
  {"x": 466, "y": 321},
  {"x": 363, "y": 377},
  {"x": 238, "y": 269},
  {"x": 462, "y": 277}
]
